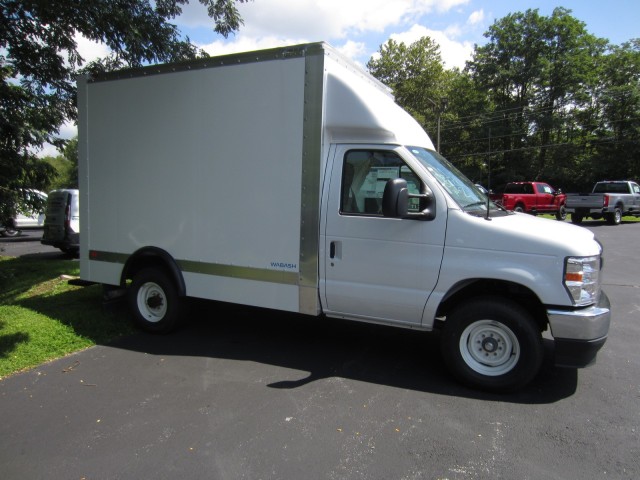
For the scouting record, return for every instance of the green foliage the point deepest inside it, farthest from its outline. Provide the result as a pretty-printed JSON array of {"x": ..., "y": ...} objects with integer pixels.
[
  {"x": 542, "y": 100},
  {"x": 66, "y": 166},
  {"x": 415, "y": 73},
  {"x": 39, "y": 60}
]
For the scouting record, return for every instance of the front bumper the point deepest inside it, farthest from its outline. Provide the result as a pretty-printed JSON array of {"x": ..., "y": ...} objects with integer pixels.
[{"x": 579, "y": 334}]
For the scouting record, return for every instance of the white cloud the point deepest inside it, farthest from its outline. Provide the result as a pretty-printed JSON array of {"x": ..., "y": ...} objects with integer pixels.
[
  {"x": 353, "y": 49},
  {"x": 454, "y": 53},
  {"x": 345, "y": 24},
  {"x": 334, "y": 19},
  {"x": 90, "y": 50},
  {"x": 320, "y": 19},
  {"x": 244, "y": 43},
  {"x": 476, "y": 17}
]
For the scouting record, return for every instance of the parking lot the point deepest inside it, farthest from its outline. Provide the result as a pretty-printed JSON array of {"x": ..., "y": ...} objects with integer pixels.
[{"x": 243, "y": 393}]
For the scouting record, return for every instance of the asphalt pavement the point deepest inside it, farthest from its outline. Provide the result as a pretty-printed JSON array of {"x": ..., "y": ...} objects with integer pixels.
[
  {"x": 242, "y": 393},
  {"x": 28, "y": 243}
]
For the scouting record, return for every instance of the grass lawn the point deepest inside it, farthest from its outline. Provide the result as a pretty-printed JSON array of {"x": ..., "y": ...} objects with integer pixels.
[{"x": 42, "y": 317}]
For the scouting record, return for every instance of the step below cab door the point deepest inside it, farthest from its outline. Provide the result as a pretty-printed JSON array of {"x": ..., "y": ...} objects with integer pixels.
[{"x": 376, "y": 268}]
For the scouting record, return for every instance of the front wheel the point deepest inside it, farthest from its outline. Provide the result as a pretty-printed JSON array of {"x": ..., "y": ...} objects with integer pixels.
[
  {"x": 492, "y": 344},
  {"x": 154, "y": 301}
]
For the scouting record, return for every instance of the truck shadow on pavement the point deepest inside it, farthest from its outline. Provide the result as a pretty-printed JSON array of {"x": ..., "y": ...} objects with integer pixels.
[{"x": 334, "y": 348}]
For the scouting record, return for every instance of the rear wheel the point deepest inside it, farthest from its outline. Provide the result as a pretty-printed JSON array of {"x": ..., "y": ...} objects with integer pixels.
[
  {"x": 576, "y": 218},
  {"x": 10, "y": 232},
  {"x": 154, "y": 300},
  {"x": 615, "y": 217},
  {"x": 519, "y": 208},
  {"x": 561, "y": 214},
  {"x": 492, "y": 344}
]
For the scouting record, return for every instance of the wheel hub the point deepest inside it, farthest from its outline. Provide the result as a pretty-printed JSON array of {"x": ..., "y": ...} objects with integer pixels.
[
  {"x": 489, "y": 345},
  {"x": 154, "y": 301}
]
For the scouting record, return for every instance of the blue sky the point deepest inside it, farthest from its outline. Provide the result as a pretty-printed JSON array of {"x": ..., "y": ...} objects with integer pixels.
[{"x": 359, "y": 27}]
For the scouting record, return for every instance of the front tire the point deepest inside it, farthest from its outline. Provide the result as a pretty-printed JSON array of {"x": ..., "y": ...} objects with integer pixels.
[
  {"x": 492, "y": 344},
  {"x": 154, "y": 300}
]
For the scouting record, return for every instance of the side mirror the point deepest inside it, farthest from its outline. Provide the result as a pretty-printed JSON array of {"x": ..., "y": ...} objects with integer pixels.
[{"x": 395, "y": 201}]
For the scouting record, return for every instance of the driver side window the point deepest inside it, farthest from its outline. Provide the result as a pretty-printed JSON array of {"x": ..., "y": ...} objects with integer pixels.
[{"x": 364, "y": 176}]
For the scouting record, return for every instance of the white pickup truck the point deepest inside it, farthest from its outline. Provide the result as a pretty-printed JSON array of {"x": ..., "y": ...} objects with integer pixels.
[{"x": 610, "y": 200}]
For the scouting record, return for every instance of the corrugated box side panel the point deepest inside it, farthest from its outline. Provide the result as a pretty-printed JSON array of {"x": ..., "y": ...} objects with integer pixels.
[{"x": 204, "y": 164}]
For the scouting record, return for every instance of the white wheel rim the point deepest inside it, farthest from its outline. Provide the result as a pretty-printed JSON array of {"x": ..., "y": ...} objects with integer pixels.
[
  {"x": 489, "y": 348},
  {"x": 152, "y": 302}
]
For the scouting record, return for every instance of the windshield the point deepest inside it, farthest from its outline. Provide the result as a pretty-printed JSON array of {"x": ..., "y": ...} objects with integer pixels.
[{"x": 467, "y": 195}]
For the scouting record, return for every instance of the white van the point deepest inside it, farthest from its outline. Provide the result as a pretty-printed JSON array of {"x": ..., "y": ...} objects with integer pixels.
[
  {"x": 62, "y": 221},
  {"x": 26, "y": 217},
  {"x": 290, "y": 179}
]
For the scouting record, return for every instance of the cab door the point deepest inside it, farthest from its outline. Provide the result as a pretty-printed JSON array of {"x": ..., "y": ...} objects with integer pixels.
[
  {"x": 376, "y": 268},
  {"x": 545, "y": 198}
]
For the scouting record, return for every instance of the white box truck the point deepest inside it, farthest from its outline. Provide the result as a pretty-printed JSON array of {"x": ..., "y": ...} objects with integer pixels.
[{"x": 290, "y": 179}]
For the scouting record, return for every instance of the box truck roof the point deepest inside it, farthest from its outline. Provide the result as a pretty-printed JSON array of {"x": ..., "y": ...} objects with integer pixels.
[{"x": 356, "y": 106}]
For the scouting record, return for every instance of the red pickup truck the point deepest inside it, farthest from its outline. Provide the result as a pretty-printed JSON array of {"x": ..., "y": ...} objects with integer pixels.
[{"x": 532, "y": 197}]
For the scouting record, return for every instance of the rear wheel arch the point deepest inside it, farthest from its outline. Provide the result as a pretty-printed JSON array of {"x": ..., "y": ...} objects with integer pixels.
[{"x": 154, "y": 257}]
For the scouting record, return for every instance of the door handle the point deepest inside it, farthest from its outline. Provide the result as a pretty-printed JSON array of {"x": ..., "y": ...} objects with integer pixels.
[{"x": 332, "y": 250}]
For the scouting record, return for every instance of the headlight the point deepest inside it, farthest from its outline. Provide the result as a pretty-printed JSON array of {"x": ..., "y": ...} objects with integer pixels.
[{"x": 582, "y": 279}]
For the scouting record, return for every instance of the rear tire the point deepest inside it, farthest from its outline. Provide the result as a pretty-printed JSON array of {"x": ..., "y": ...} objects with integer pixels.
[
  {"x": 561, "y": 214},
  {"x": 615, "y": 217},
  {"x": 576, "y": 218},
  {"x": 154, "y": 300},
  {"x": 492, "y": 344},
  {"x": 10, "y": 232}
]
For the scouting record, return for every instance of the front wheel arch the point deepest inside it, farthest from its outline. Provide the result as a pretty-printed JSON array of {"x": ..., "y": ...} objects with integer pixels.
[{"x": 492, "y": 343}]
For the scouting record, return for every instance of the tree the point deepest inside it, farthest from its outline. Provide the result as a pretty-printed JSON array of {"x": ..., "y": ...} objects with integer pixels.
[
  {"x": 616, "y": 138},
  {"x": 416, "y": 75},
  {"x": 39, "y": 59},
  {"x": 539, "y": 71},
  {"x": 65, "y": 166}
]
